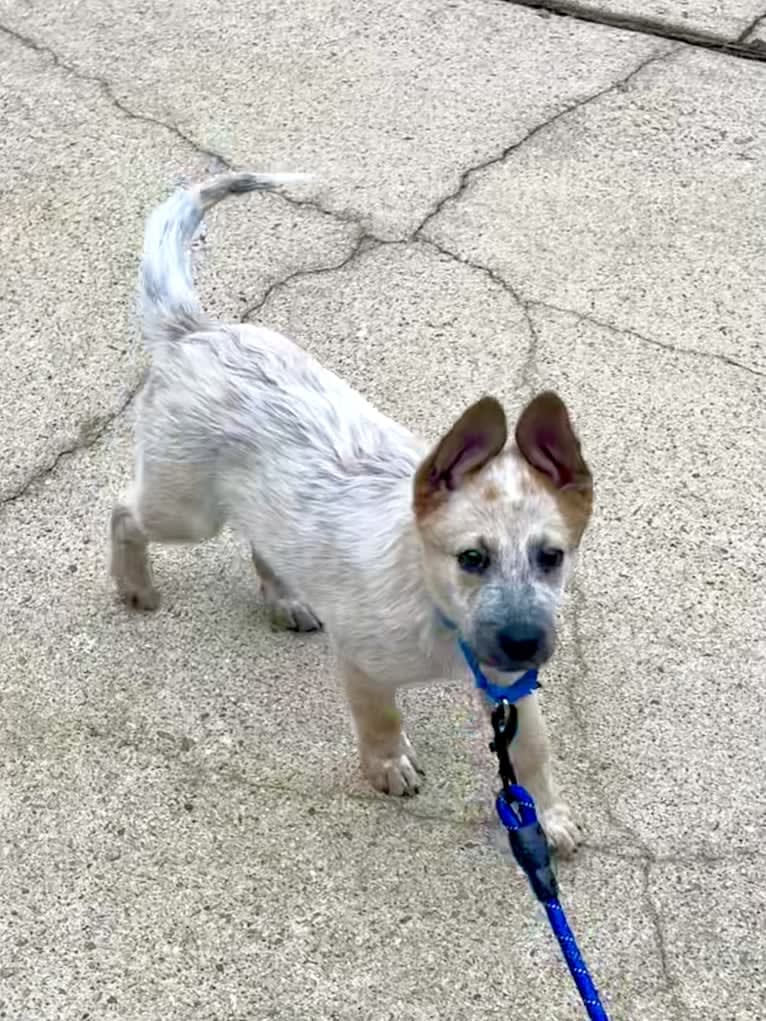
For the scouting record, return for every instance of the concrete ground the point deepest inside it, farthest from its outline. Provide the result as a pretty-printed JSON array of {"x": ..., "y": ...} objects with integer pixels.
[{"x": 506, "y": 199}]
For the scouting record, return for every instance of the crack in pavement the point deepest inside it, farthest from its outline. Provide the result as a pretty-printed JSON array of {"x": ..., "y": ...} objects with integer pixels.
[
  {"x": 692, "y": 352},
  {"x": 642, "y": 851},
  {"x": 365, "y": 240},
  {"x": 646, "y": 855},
  {"x": 641, "y": 25},
  {"x": 468, "y": 175},
  {"x": 371, "y": 240},
  {"x": 655, "y": 917},
  {"x": 528, "y": 368},
  {"x": 219, "y": 161},
  {"x": 754, "y": 24},
  {"x": 89, "y": 433},
  {"x": 364, "y": 243},
  {"x": 530, "y": 303},
  {"x": 455, "y": 257},
  {"x": 107, "y": 90}
]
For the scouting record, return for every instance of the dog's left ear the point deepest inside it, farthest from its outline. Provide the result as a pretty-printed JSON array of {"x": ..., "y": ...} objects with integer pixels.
[
  {"x": 478, "y": 435},
  {"x": 545, "y": 437}
]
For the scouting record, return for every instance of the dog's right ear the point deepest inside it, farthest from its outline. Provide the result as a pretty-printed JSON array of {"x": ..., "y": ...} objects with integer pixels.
[{"x": 478, "y": 435}]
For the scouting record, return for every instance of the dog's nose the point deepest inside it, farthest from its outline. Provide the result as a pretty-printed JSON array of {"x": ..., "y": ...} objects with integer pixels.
[{"x": 521, "y": 645}]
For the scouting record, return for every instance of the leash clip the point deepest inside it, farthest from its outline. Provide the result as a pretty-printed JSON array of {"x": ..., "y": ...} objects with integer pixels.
[
  {"x": 528, "y": 842},
  {"x": 505, "y": 722}
]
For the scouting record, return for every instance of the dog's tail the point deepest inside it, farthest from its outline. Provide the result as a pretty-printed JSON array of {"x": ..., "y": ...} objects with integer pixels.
[{"x": 168, "y": 307}]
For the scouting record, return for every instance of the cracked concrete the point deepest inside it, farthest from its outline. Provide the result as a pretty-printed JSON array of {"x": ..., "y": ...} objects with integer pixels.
[
  {"x": 80, "y": 175},
  {"x": 382, "y": 156},
  {"x": 671, "y": 983},
  {"x": 667, "y": 229},
  {"x": 757, "y": 34},
  {"x": 690, "y": 901},
  {"x": 89, "y": 433},
  {"x": 177, "y": 840},
  {"x": 693, "y": 352},
  {"x": 725, "y": 25},
  {"x": 216, "y": 161},
  {"x": 529, "y": 303},
  {"x": 361, "y": 243},
  {"x": 472, "y": 172}
]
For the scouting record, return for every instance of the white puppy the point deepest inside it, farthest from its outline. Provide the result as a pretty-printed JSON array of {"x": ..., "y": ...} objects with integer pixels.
[{"x": 352, "y": 521}]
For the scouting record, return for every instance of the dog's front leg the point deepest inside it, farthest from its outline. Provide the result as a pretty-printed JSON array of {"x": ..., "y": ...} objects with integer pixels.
[
  {"x": 388, "y": 759},
  {"x": 531, "y": 758}
]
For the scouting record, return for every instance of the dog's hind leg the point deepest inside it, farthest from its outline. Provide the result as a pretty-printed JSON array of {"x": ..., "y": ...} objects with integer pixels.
[
  {"x": 129, "y": 562},
  {"x": 286, "y": 610},
  {"x": 168, "y": 503}
]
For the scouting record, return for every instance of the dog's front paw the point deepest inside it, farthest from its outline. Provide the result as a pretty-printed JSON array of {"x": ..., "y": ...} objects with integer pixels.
[
  {"x": 293, "y": 615},
  {"x": 563, "y": 833},
  {"x": 396, "y": 773},
  {"x": 138, "y": 597}
]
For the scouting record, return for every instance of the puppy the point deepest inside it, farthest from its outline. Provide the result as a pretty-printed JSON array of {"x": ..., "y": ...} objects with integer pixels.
[{"x": 351, "y": 520}]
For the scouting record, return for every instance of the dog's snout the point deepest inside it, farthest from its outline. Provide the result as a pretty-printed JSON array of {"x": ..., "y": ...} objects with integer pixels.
[{"x": 521, "y": 645}]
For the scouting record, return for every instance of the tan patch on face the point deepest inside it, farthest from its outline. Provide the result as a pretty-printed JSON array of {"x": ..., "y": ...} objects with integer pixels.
[
  {"x": 491, "y": 493},
  {"x": 425, "y": 498},
  {"x": 574, "y": 505}
]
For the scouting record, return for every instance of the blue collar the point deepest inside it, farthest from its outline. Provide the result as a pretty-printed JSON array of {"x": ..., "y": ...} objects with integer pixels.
[{"x": 512, "y": 693}]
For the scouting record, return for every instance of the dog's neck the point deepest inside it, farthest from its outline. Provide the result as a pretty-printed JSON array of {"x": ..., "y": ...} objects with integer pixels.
[{"x": 397, "y": 628}]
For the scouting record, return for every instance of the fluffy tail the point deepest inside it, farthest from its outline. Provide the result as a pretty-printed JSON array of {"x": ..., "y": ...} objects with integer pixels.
[{"x": 168, "y": 306}]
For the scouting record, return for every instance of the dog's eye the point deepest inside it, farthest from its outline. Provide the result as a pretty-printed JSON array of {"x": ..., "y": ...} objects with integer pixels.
[
  {"x": 549, "y": 559},
  {"x": 473, "y": 560}
]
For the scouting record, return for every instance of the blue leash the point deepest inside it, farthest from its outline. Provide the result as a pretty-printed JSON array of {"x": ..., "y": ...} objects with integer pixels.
[{"x": 516, "y": 810}]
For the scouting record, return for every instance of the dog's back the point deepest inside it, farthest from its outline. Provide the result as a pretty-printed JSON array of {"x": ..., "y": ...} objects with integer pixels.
[
  {"x": 237, "y": 385},
  {"x": 245, "y": 425}
]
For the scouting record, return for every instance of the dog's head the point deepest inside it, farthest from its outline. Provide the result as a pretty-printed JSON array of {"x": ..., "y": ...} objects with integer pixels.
[{"x": 500, "y": 526}]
